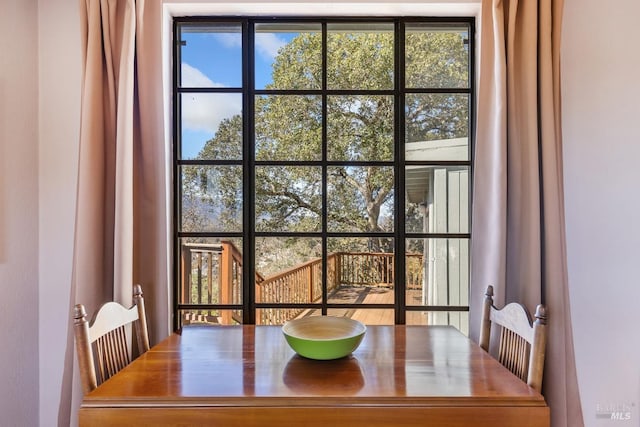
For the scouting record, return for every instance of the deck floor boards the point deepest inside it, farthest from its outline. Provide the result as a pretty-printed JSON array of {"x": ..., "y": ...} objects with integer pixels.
[{"x": 371, "y": 295}]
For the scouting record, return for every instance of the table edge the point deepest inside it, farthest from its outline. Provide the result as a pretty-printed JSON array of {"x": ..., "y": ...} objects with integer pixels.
[{"x": 312, "y": 401}]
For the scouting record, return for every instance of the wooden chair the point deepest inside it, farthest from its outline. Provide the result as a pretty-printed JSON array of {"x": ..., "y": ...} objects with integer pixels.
[
  {"x": 522, "y": 343},
  {"x": 107, "y": 341}
]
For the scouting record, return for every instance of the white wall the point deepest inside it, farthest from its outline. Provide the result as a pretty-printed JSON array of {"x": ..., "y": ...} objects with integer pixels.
[
  {"x": 18, "y": 213},
  {"x": 601, "y": 127},
  {"x": 60, "y": 77}
]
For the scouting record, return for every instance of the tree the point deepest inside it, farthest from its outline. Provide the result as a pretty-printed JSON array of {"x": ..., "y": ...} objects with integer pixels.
[{"x": 360, "y": 127}]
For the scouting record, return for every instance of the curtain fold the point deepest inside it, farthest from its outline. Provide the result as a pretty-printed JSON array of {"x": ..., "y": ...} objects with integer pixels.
[
  {"x": 518, "y": 242},
  {"x": 103, "y": 251},
  {"x": 152, "y": 173},
  {"x": 121, "y": 228}
]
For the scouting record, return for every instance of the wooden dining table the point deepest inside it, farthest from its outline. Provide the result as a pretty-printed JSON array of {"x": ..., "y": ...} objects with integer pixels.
[{"x": 248, "y": 376}]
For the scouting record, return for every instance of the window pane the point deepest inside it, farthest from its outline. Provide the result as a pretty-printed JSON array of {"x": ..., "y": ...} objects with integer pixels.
[
  {"x": 360, "y": 270},
  {"x": 275, "y": 255},
  {"x": 437, "y": 199},
  {"x": 437, "y": 127},
  {"x": 277, "y": 316},
  {"x": 211, "y": 198},
  {"x": 360, "y": 127},
  {"x": 360, "y": 56},
  {"x": 437, "y": 56},
  {"x": 211, "y": 126},
  {"x": 368, "y": 316},
  {"x": 288, "y": 198},
  {"x": 288, "y": 127},
  {"x": 210, "y": 55},
  {"x": 458, "y": 319},
  {"x": 288, "y": 270},
  {"x": 360, "y": 198},
  {"x": 210, "y": 271},
  {"x": 288, "y": 56},
  {"x": 437, "y": 272},
  {"x": 209, "y": 317}
]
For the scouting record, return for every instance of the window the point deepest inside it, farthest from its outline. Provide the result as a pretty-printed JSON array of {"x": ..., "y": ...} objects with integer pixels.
[{"x": 322, "y": 166}]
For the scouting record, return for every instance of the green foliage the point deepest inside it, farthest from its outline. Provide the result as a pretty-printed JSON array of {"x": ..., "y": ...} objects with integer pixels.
[
  {"x": 276, "y": 254},
  {"x": 360, "y": 127},
  {"x": 288, "y": 127},
  {"x": 288, "y": 198},
  {"x": 227, "y": 143},
  {"x": 436, "y": 59},
  {"x": 299, "y": 64},
  {"x": 360, "y": 61}
]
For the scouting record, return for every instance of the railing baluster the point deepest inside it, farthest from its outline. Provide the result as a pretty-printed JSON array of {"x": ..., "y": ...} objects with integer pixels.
[
  {"x": 209, "y": 276},
  {"x": 199, "y": 267}
]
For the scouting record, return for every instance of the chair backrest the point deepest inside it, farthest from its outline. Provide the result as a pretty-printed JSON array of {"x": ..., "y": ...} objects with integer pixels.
[
  {"x": 522, "y": 343},
  {"x": 104, "y": 346}
]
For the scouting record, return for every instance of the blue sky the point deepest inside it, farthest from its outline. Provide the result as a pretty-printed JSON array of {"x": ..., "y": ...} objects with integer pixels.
[{"x": 214, "y": 59}]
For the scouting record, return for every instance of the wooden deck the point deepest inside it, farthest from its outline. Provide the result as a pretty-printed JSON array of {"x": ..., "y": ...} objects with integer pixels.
[
  {"x": 371, "y": 295},
  {"x": 211, "y": 274},
  {"x": 362, "y": 295}
]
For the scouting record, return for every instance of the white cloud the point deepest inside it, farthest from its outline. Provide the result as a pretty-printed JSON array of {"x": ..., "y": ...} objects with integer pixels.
[
  {"x": 229, "y": 40},
  {"x": 192, "y": 77},
  {"x": 268, "y": 44},
  {"x": 205, "y": 111}
]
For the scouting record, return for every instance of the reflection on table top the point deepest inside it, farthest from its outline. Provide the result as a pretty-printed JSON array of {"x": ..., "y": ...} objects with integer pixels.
[{"x": 415, "y": 364}]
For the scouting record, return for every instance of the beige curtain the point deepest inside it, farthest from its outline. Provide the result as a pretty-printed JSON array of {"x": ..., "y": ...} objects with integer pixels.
[
  {"x": 518, "y": 240},
  {"x": 121, "y": 231}
]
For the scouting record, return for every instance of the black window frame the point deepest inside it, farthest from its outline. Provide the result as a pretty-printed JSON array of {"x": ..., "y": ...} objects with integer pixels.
[{"x": 249, "y": 163}]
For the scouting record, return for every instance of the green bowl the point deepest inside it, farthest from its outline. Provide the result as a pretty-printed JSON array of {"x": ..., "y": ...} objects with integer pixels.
[{"x": 324, "y": 337}]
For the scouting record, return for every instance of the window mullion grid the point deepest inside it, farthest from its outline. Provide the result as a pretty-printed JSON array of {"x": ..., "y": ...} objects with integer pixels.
[
  {"x": 325, "y": 267},
  {"x": 399, "y": 220},
  {"x": 177, "y": 186},
  {"x": 472, "y": 115},
  {"x": 440, "y": 90},
  {"x": 249, "y": 164},
  {"x": 471, "y": 129},
  {"x": 248, "y": 266}
]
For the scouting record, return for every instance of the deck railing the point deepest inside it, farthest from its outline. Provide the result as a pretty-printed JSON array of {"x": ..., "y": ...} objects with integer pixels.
[{"x": 214, "y": 275}]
